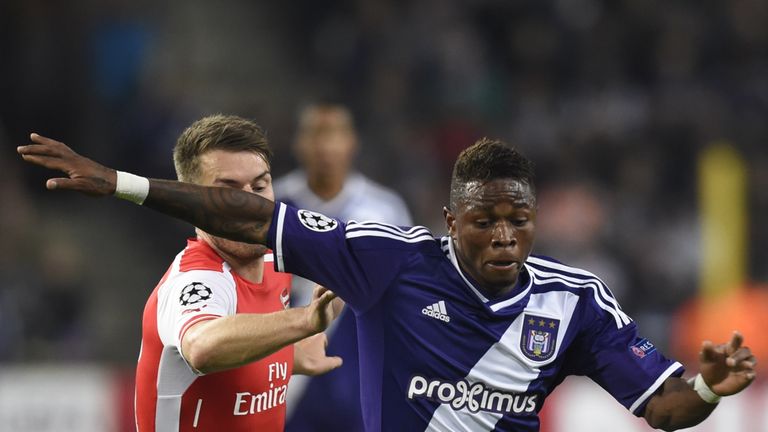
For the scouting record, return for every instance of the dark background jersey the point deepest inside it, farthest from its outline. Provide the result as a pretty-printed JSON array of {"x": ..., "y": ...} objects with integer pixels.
[{"x": 437, "y": 354}]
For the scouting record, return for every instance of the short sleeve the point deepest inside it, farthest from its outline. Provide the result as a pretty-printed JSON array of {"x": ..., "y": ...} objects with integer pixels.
[
  {"x": 626, "y": 365},
  {"x": 192, "y": 297},
  {"x": 357, "y": 261}
]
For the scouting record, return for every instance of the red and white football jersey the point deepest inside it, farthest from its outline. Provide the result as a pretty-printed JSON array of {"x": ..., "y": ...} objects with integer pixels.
[{"x": 170, "y": 395}]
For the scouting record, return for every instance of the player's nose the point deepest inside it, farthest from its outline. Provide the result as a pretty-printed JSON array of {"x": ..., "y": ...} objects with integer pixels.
[{"x": 504, "y": 234}]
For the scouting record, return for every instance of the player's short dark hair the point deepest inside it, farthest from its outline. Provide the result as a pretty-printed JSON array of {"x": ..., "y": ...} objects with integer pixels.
[
  {"x": 325, "y": 104},
  {"x": 217, "y": 132},
  {"x": 487, "y": 160}
]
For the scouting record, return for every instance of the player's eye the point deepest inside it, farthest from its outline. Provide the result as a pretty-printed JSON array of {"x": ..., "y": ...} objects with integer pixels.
[
  {"x": 483, "y": 223},
  {"x": 520, "y": 222},
  {"x": 229, "y": 184}
]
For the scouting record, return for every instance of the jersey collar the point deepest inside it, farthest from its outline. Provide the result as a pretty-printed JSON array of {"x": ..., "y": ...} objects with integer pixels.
[
  {"x": 354, "y": 186},
  {"x": 494, "y": 305}
]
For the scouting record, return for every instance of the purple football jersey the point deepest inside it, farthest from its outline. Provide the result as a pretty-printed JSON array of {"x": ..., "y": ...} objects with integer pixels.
[{"x": 436, "y": 354}]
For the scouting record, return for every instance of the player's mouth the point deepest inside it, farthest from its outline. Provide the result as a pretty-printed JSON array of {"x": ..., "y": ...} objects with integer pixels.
[{"x": 502, "y": 265}]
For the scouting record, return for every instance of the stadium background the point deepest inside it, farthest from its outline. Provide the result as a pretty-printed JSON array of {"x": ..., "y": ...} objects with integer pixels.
[{"x": 648, "y": 121}]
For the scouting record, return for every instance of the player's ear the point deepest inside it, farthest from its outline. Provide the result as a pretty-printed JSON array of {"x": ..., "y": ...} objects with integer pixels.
[{"x": 450, "y": 221}]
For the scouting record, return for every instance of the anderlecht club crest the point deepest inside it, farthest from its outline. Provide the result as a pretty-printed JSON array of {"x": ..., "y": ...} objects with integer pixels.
[{"x": 539, "y": 337}]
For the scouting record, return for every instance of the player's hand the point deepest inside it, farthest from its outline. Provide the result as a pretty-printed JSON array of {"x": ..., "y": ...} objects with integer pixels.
[
  {"x": 323, "y": 308},
  {"x": 83, "y": 174},
  {"x": 727, "y": 368},
  {"x": 309, "y": 356},
  {"x": 337, "y": 307}
]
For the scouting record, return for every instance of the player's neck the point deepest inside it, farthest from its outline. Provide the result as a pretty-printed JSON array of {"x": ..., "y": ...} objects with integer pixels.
[
  {"x": 498, "y": 293},
  {"x": 326, "y": 187},
  {"x": 250, "y": 269}
]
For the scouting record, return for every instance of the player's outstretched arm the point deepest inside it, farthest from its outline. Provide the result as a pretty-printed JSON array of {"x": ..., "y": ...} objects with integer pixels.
[
  {"x": 235, "y": 340},
  {"x": 224, "y": 212},
  {"x": 725, "y": 369}
]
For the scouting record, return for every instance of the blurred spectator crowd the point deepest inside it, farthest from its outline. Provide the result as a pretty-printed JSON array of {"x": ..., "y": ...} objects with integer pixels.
[{"x": 613, "y": 100}]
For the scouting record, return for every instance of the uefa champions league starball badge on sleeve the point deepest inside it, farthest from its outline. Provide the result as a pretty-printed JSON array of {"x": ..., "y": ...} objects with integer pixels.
[
  {"x": 317, "y": 221},
  {"x": 194, "y": 293}
]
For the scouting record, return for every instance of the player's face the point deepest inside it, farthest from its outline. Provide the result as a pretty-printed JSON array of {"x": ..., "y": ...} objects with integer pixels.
[
  {"x": 326, "y": 142},
  {"x": 493, "y": 232},
  {"x": 244, "y": 170}
]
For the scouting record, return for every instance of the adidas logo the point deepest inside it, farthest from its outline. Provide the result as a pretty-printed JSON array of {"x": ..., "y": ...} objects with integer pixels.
[{"x": 437, "y": 311}]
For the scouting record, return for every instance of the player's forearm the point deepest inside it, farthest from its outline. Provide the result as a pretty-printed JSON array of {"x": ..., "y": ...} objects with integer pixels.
[
  {"x": 223, "y": 212},
  {"x": 676, "y": 406},
  {"x": 236, "y": 340}
]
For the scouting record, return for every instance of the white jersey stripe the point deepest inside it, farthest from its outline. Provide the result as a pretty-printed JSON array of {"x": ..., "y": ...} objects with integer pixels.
[
  {"x": 174, "y": 377},
  {"x": 279, "y": 238},
  {"x": 502, "y": 304},
  {"x": 504, "y": 366},
  {"x": 445, "y": 247},
  {"x": 455, "y": 262},
  {"x": 350, "y": 233},
  {"x": 561, "y": 267},
  {"x": 603, "y": 306},
  {"x": 597, "y": 284},
  {"x": 197, "y": 413},
  {"x": 356, "y": 234},
  {"x": 352, "y": 224},
  {"x": 397, "y": 232},
  {"x": 462, "y": 420},
  {"x": 603, "y": 287},
  {"x": 606, "y": 295},
  {"x": 659, "y": 381},
  {"x": 590, "y": 276}
]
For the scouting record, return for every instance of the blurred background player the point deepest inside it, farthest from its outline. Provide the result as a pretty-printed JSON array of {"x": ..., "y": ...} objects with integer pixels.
[
  {"x": 217, "y": 348},
  {"x": 325, "y": 146}
]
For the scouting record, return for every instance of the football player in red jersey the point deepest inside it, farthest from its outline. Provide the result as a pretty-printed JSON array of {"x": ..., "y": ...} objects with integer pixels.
[{"x": 219, "y": 344}]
